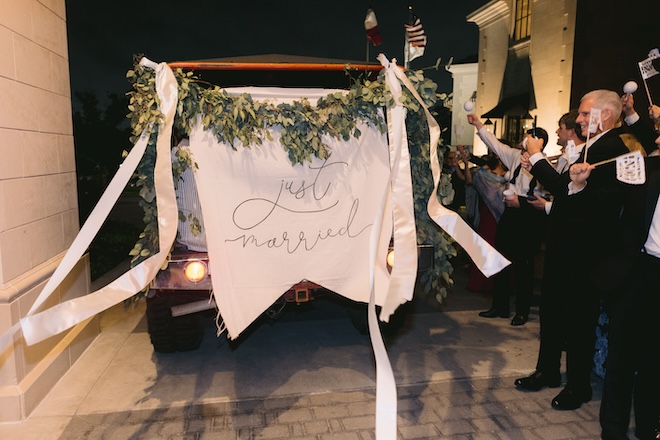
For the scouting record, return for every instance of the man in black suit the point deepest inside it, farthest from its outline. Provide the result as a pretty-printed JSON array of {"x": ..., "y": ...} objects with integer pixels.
[
  {"x": 577, "y": 250},
  {"x": 633, "y": 361}
]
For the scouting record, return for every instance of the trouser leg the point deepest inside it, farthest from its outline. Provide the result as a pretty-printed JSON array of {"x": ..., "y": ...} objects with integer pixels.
[
  {"x": 616, "y": 401},
  {"x": 501, "y": 289},
  {"x": 524, "y": 268},
  {"x": 552, "y": 315},
  {"x": 583, "y": 308},
  {"x": 647, "y": 383}
]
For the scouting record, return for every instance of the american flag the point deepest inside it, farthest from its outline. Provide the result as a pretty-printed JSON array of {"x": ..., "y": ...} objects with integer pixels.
[
  {"x": 415, "y": 40},
  {"x": 415, "y": 33}
]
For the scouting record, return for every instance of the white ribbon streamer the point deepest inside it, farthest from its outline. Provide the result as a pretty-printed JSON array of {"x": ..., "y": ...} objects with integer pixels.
[
  {"x": 39, "y": 326},
  {"x": 404, "y": 271},
  {"x": 487, "y": 259},
  {"x": 386, "y": 397}
]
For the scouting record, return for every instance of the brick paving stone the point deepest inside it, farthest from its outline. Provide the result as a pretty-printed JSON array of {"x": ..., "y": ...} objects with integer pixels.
[
  {"x": 410, "y": 403},
  {"x": 320, "y": 399},
  {"x": 357, "y": 423},
  {"x": 247, "y": 406},
  {"x": 503, "y": 395},
  {"x": 497, "y": 408},
  {"x": 555, "y": 432},
  {"x": 294, "y": 415},
  {"x": 223, "y": 435},
  {"x": 245, "y": 420},
  {"x": 316, "y": 427},
  {"x": 589, "y": 410},
  {"x": 272, "y": 432},
  {"x": 413, "y": 390},
  {"x": 172, "y": 427},
  {"x": 454, "y": 427},
  {"x": 466, "y": 398},
  {"x": 297, "y": 430},
  {"x": 553, "y": 416},
  {"x": 454, "y": 412},
  {"x": 418, "y": 431},
  {"x": 199, "y": 424},
  {"x": 451, "y": 387},
  {"x": 406, "y": 418},
  {"x": 335, "y": 425},
  {"x": 429, "y": 401},
  {"x": 523, "y": 434},
  {"x": 487, "y": 424},
  {"x": 211, "y": 409},
  {"x": 367, "y": 435},
  {"x": 427, "y": 416},
  {"x": 356, "y": 396},
  {"x": 522, "y": 420},
  {"x": 285, "y": 403},
  {"x": 340, "y": 436},
  {"x": 590, "y": 428},
  {"x": 334, "y": 411},
  {"x": 220, "y": 422},
  {"x": 128, "y": 431},
  {"x": 528, "y": 406},
  {"x": 364, "y": 408},
  {"x": 484, "y": 436}
]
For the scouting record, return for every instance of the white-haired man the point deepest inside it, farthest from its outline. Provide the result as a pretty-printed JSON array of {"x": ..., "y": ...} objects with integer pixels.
[{"x": 580, "y": 228}]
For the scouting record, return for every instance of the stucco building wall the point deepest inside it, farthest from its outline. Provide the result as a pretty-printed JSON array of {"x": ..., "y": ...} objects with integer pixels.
[
  {"x": 38, "y": 200},
  {"x": 550, "y": 52}
]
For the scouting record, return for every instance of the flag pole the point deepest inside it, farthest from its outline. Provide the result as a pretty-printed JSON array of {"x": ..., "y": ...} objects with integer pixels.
[
  {"x": 648, "y": 94},
  {"x": 367, "y": 56},
  {"x": 586, "y": 145},
  {"x": 406, "y": 49}
]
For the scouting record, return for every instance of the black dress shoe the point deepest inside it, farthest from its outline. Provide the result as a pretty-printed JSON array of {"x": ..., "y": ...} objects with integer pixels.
[
  {"x": 570, "y": 399},
  {"x": 519, "y": 320},
  {"x": 538, "y": 380},
  {"x": 493, "y": 312}
]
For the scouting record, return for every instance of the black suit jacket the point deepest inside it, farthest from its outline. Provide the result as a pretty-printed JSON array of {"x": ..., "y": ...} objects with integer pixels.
[
  {"x": 638, "y": 211},
  {"x": 584, "y": 228},
  {"x": 652, "y": 192},
  {"x": 644, "y": 133}
]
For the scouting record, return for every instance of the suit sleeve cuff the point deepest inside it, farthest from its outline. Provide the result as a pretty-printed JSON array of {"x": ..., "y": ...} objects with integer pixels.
[
  {"x": 630, "y": 120},
  {"x": 535, "y": 158}
]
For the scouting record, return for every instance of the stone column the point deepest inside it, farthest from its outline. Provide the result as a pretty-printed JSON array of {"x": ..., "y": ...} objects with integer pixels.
[{"x": 38, "y": 200}]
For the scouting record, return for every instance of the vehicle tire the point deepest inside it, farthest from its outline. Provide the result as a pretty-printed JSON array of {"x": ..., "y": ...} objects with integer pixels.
[
  {"x": 159, "y": 325},
  {"x": 168, "y": 334},
  {"x": 188, "y": 332}
]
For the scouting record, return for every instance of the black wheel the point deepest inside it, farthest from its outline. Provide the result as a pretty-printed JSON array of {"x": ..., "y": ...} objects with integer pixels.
[
  {"x": 159, "y": 324},
  {"x": 188, "y": 332},
  {"x": 168, "y": 334}
]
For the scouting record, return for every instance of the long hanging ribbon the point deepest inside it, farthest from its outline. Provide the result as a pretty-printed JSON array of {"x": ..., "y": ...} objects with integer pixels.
[
  {"x": 39, "y": 326},
  {"x": 487, "y": 259},
  {"x": 404, "y": 271}
]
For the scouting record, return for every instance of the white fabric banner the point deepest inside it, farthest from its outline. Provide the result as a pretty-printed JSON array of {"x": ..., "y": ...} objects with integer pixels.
[{"x": 271, "y": 224}]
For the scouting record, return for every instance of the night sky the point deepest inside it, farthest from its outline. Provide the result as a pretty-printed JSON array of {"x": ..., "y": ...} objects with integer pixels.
[{"x": 104, "y": 36}]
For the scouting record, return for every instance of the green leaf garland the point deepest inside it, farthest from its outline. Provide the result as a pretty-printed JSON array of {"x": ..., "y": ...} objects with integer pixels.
[{"x": 241, "y": 121}]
